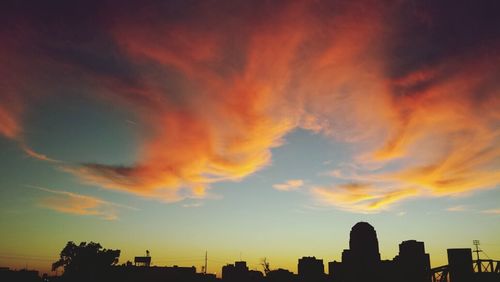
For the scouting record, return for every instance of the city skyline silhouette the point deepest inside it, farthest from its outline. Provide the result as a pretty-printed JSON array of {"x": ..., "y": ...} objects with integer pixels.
[{"x": 361, "y": 261}]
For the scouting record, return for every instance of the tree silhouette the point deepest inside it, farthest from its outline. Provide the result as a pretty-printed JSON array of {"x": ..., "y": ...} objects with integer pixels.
[
  {"x": 265, "y": 264},
  {"x": 85, "y": 261}
]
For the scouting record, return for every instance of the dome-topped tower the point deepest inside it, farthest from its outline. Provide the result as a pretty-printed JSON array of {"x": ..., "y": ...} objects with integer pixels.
[{"x": 363, "y": 242}]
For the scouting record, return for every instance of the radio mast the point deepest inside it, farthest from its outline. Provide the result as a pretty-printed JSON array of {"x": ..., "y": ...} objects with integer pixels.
[{"x": 206, "y": 259}]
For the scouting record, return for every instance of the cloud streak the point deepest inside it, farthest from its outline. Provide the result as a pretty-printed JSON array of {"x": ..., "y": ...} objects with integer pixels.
[
  {"x": 33, "y": 154},
  {"x": 460, "y": 208},
  {"x": 289, "y": 185},
  {"x": 362, "y": 198},
  {"x": 492, "y": 211},
  {"x": 78, "y": 204}
]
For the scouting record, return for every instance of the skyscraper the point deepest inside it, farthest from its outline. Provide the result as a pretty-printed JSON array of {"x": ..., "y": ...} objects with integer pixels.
[
  {"x": 363, "y": 243},
  {"x": 361, "y": 262}
]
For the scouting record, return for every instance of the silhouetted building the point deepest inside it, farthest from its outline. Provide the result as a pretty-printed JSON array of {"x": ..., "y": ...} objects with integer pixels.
[
  {"x": 389, "y": 272},
  {"x": 335, "y": 270},
  {"x": 49, "y": 278},
  {"x": 231, "y": 272},
  {"x": 311, "y": 269},
  {"x": 239, "y": 272},
  {"x": 462, "y": 268},
  {"x": 281, "y": 275},
  {"x": 460, "y": 265},
  {"x": 208, "y": 277},
  {"x": 361, "y": 262},
  {"x": 363, "y": 244},
  {"x": 22, "y": 275},
  {"x": 255, "y": 275},
  {"x": 153, "y": 274},
  {"x": 412, "y": 262},
  {"x": 142, "y": 261},
  {"x": 333, "y": 267}
]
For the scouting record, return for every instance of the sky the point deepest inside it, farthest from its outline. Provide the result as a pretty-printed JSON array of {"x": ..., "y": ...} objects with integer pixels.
[{"x": 247, "y": 129}]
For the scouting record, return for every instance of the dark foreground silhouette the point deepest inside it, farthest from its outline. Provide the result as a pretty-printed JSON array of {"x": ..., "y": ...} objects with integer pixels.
[{"x": 360, "y": 263}]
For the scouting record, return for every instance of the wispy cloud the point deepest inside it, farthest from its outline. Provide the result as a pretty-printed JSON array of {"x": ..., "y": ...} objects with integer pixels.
[
  {"x": 289, "y": 185},
  {"x": 73, "y": 203},
  {"x": 459, "y": 208},
  {"x": 192, "y": 205},
  {"x": 491, "y": 211},
  {"x": 362, "y": 198},
  {"x": 421, "y": 109},
  {"x": 401, "y": 213},
  {"x": 33, "y": 154}
]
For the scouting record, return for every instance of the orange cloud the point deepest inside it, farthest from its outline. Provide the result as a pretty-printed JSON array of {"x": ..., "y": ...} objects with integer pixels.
[
  {"x": 451, "y": 132},
  {"x": 363, "y": 198},
  {"x": 20, "y": 72},
  {"x": 216, "y": 92},
  {"x": 225, "y": 131},
  {"x": 443, "y": 137},
  {"x": 9, "y": 124},
  {"x": 11, "y": 101}
]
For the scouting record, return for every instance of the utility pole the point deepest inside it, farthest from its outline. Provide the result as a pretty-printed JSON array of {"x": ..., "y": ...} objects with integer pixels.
[{"x": 206, "y": 260}]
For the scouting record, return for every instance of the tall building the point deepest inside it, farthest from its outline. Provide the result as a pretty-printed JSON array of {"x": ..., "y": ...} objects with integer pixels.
[
  {"x": 311, "y": 269},
  {"x": 361, "y": 262},
  {"x": 460, "y": 264},
  {"x": 412, "y": 262},
  {"x": 363, "y": 243}
]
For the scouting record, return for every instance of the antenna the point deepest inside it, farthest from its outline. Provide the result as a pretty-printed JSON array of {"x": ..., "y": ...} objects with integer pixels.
[
  {"x": 477, "y": 250},
  {"x": 206, "y": 259}
]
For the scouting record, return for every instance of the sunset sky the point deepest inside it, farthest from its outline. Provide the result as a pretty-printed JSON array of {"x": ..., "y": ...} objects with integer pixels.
[{"x": 247, "y": 129}]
